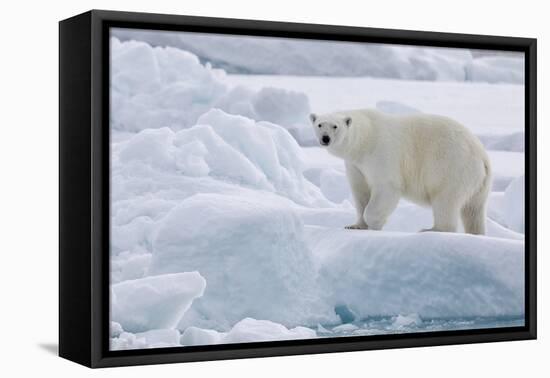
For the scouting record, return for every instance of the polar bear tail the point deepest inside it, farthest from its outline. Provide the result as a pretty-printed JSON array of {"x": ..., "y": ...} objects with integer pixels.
[{"x": 475, "y": 209}]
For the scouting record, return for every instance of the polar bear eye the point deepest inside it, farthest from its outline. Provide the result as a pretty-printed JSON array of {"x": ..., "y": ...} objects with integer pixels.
[
  {"x": 319, "y": 125},
  {"x": 334, "y": 127}
]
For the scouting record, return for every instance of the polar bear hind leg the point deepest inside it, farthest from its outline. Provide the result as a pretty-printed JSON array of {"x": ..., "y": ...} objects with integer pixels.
[
  {"x": 446, "y": 211},
  {"x": 473, "y": 213}
]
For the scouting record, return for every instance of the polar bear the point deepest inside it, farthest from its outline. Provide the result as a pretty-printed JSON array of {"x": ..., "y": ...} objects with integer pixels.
[{"x": 428, "y": 159}]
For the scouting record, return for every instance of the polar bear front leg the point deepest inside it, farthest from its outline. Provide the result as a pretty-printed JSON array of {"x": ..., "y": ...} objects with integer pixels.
[
  {"x": 382, "y": 203},
  {"x": 361, "y": 194}
]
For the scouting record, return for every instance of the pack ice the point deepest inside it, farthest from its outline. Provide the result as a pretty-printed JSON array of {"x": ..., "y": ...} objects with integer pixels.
[
  {"x": 225, "y": 229},
  {"x": 325, "y": 58}
]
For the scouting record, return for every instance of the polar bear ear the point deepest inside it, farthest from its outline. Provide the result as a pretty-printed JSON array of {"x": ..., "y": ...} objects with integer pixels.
[
  {"x": 313, "y": 117},
  {"x": 347, "y": 120}
]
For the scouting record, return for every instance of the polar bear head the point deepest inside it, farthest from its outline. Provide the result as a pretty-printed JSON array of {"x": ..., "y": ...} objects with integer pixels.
[{"x": 330, "y": 129}]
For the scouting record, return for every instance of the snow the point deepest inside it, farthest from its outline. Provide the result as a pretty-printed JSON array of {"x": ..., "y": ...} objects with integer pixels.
[
  {"x": 160, "y": 338},
  {"x": 506, "y": 166},
  {"x": 402, "y": 321},
  {"x": 497, "y": 69},
  {"x": 158, "y": 87},
  {"x": 228, "y": 147},
  {"x": 257, "y": 262},
  {"x": 270, "y": 149},
  {"x": 281, "y": 106},
  {"x": 227, "y": 219},
  {"x": 167, "y": 87},
  {"x": 397, "y": 108},
  {"x": 498, "y": 123},
  {"x": 513, "y": 142},
  {"x": 281, "y": 56},
  {"x": 156, "y": 338},
  {"x": 431, "y": 274},
  {"x": 200, "y": 336},
  {"x": 513, "y": 205},
  {"x": 345, "y": 328},
  {"x": 115, "y": 329},
  {"x": 248, "y": 330},
  {"x": 502, "y": 112},
  {"x": 154, "y": 302},
  {"x": 132, "y": 233},
  {"x": 130, "y": 265},
  {"x": 126, "y": 341},
  {"x": 333, "y": 184}
]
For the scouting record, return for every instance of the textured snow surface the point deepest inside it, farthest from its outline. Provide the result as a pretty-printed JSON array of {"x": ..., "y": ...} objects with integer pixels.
[{"x": 227, "y": 221}]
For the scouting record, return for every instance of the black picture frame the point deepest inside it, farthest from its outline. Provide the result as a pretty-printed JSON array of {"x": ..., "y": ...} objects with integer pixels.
[{"x": 84, "y": 188}]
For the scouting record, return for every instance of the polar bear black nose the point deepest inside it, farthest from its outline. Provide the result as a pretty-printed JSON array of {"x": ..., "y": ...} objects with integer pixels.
[{"x": 325, "y": 139}]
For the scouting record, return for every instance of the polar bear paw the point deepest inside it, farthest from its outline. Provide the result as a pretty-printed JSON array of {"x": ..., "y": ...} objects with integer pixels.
[
  {"x": 436, "y": 229},
  {"x": 356, "y": 227}
]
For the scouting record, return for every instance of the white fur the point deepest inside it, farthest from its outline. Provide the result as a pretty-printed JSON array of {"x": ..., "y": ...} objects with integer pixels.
[{"x": 428, "y": 159}]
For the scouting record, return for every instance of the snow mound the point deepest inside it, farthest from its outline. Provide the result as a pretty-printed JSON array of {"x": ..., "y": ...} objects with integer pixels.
[
  {"x": 296, "y": 275},
  {"x": 127, "y": 341},
  {"x": 222, "y": 146},
  {"x": 403, "y": 321},
  {"x": 129, "y": 265},
  {"x": 159, "y": 87},
  {"x": 287, "y": 108},
  {"x": 251, "y": 253},
  {"x": 200, "y": 336},
  {"x": 154, "y": 302},
  {"x": 430, "y": 274},
  {"x": 514, "y": 205},
  {"x": 155, "y": 87},
  {"x": 281, "y": 106},
  {"x": 115, "y": 329},
  {"x": 131, "y": 233},
  {"x": 247, "y": 330},
  {"x": 156, "y": 338},
  {"x": 270, "y": 149},
  {"x": 160, "y": 338}
]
